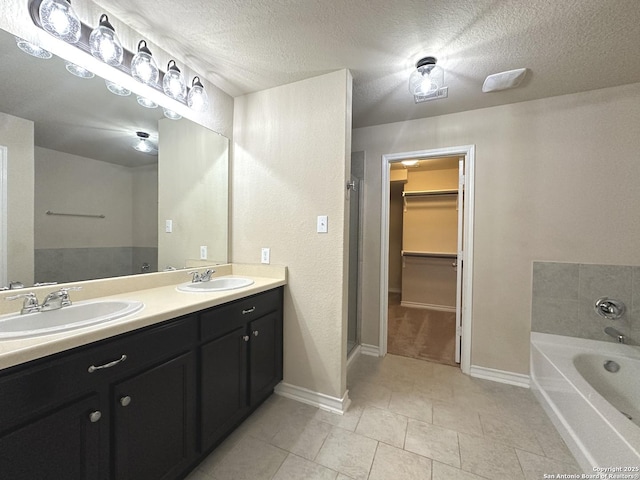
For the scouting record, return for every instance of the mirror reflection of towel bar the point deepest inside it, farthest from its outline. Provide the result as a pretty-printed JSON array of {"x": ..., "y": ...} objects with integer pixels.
[{"x": 49, "y": 212}]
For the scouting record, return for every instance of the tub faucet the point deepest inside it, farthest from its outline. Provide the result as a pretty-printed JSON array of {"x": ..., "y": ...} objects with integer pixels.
[{"x": 612, "y": 332}]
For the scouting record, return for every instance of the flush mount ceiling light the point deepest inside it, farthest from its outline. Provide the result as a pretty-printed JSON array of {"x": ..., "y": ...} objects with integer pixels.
[
  {"x": 410, "y": 163},
  {"x": 504, "y": 80},
  {"x": 143, "y": 66},
  {"x": 58, "y": 18},
  {"x": 104, "y": 43},
  {"x": 32, "y": 49},
  {"x": 173, "y": 82},
  {"x": 170, "y": 114},
  {"x": 144, "y": 145},
  {"x": 78, "y": 71},
  {"x": 117, "y": 89},
  {"x": 197, "y": 98},
  {"x": 427, "y": 78},
  {"x": 146, "y": 103}
]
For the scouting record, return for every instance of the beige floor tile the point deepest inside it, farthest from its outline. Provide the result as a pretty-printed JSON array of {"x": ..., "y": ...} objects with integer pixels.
[
  {"x": 198, "y": 475},
  {"x": 457, "y": 418},
  {"x": 366, "y": 393},
  {"x": 349, "y": 420},
  {"x": 489, "y": 458},
  {"x": 303, "y": 437},
  {"x": 249, "y": 459},
  {"x": 342, "y": 476},
  {"x": 511, "y": 432},
  {"x": 298, "y": 468},
  {"x": 414, "y": 405},
  {"x": 434, "y": 389},
  {"x": 535, "y": 466},
  {"x": 394, "y": 463},
  {"x": 433, "y": 442},
  {"x": 447, "y": 472},
  {"x": 348, "y": 453},
  {"x": 383, "y": 425},
  {"x": 272, "y": 415},
  {"x": 553, "y": 444}
]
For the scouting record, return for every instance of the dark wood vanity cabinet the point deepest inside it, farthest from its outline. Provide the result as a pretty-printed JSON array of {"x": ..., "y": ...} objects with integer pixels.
[{"x": 146, "y": 405}]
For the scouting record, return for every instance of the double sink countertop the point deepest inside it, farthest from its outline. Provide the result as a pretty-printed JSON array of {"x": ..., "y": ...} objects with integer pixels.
[{"x": 162, "y": 301}]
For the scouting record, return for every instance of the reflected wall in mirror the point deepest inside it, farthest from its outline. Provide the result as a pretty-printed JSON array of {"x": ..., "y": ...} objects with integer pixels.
[{"x": 69, "y": 151}]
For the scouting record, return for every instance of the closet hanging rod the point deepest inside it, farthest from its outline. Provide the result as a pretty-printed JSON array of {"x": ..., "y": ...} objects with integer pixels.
[
  {"x": 407, "y": 253},
  {"x": 424, "y": 193},
  {"x": 49, "y": 212}
]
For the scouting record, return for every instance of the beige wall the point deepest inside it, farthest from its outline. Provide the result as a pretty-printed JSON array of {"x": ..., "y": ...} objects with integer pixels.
[
  {"x": 145, "y": 206},
  {"x": 556, "y": 180},
  {"x": 291, "y": 162},
  {"x": 17, "y": 135}
]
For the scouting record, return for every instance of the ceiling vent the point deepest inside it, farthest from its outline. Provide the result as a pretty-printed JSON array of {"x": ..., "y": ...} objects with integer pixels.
[
  {"x": 503, "y": 80},
  {"x": 442, "y": 92}
]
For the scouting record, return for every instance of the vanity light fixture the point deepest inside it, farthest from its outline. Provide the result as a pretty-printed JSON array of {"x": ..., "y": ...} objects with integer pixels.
[
  {"x": 117, "y": 89},
  {"x": 78, "y": 71},
  {"x": 173, "y": 82},
  {"x": 144, "y": 145},
  {"x": 170, "y": 114},
  {"x": 146, "y": 103},
  {"x": 143, "y": 66},
  {"x": 32, "y": 49},
  {"x": 58, "y": 19},
  {"x": 427, "y": 78},
  {"x": 197, "y": 98},
  {"x": 104, "y": 43}
]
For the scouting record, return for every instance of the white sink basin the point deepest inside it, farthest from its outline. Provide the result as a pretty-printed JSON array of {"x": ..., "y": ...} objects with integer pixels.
[
  {"x": 216, "y": 284},
  {"x": 78, "y": 315}
]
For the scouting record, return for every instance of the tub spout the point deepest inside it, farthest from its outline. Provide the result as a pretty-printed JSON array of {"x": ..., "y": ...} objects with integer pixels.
[{"x": 612, "y": 332}]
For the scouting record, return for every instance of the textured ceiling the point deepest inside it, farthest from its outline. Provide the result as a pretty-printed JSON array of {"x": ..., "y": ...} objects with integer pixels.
[{"x": 244, "y": 46}]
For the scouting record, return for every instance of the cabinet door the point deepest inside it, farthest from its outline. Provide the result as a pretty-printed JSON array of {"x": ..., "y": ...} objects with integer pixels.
[
  {"x": 64, "y": 443},
  {"x": 265, "y": 356},
  {"x": 154, "y": 422},
  {"x": 223, "y": 384}
]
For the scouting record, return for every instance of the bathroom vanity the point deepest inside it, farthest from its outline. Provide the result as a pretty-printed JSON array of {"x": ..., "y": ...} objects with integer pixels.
[{"x": 145, "y": 404}]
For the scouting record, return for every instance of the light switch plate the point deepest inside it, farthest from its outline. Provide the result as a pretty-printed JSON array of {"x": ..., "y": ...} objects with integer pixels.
[
  {"x": 265, "y": 255},
  {"x": 323, "y": 224},
  {"x": 168, "y": 226},
  {"x": 203, "y": 252}
]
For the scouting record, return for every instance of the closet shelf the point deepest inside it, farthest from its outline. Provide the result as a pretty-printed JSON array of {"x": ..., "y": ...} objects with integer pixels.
[
  {"x": 409, "y": 253},
  {"x": 426, "y": 193}
]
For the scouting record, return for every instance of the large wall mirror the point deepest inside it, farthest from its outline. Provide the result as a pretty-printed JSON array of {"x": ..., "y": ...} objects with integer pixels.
[{"x": 80, "y": 202}]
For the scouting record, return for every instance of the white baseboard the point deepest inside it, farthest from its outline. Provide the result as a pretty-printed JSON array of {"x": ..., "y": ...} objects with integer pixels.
[
  {"x": 317, "y": 399},
  {"x": 371, "y": 350},
  {"x": 501, "y": 376},
  {"x": 428, "y": 306},
  {"x": 355, "y": 353},
  {"x": 395, "y": 290}
]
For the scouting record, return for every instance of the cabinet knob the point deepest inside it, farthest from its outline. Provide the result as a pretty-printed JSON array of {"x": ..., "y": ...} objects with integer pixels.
[
  {"x": 245, "y": 338},
  {"x": 255, "y": 333},
  {"x": 95, "y": 416},
  {"x": 126, "y": 400}
]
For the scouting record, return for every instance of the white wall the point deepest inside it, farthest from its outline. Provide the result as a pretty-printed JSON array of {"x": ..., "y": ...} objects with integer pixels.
[
  {"x": 291, "y": 162},
  {"x": 556, "y": 180}
]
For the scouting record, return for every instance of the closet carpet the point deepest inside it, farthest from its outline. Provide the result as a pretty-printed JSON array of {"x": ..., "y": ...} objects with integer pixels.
[{"x": 421, "y": 333}]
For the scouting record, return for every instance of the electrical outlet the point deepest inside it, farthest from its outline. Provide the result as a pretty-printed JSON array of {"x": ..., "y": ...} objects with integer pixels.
[
  {"x": 168, "y": 226},
  {"x": 203, "y": 252},
  {"x": 266, "y": 253}
]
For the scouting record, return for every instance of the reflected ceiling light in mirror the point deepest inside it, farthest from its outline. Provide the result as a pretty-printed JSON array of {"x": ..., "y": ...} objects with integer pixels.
[
  {"x": 146, "y": 103},
  {"x": 427, "y": 78},
  {"x": 58, "y": 18},
  {"x": 170, "y": 114},
  {"x": 78, "y": 71},
  {"x": 173, "y": 82},
  {"x": 104, "y": 43},
  {"x": 143, "y": 66},
  {"x": 32, "y": 49},
  {"x": 117, "y": 89},
  {"x": 143, "y": 144},
  {"x": 197, "y": 98}
]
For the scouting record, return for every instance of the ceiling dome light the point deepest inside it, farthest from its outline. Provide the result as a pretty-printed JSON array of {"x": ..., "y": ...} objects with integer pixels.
[
  {"x": 32, "y": 49},
  {"x": 143, "y": 66},
  {"x": 173, "y": 82},
  {"x": 117, "y": 89},
  {"x": 144, "y": 145},
  {"x": 146, "y": 103},
  {"x": 58, "y": 18},
  {"x": 197, "y": 98},
  {"x": 170, "y": 114},
  {"x": 104, "y": 43},
  {"x": 78, "y": 71},
  {"x": 427, "y": 78}
]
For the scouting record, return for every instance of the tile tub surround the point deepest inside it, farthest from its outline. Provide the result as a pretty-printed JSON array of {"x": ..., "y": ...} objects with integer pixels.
[
  {"x": 409, "y": 420},
  {"x": 564, "y": 295}
]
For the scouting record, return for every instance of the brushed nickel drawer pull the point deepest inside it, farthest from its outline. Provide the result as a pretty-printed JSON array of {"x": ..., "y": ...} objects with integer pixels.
[
  {"x": 93, "y": 368},
  {"x": 245, "y": 338},
  {"x": 95, "y": 416},
  {"x": 249, "y": 310}
]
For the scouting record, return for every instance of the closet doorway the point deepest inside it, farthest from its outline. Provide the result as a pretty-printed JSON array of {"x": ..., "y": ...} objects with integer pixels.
[{"x": 426, "y": 239}]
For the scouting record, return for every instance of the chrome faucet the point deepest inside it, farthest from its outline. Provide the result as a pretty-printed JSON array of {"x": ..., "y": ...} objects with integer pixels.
[
  {"x": 53, "y": 300},
  {"x": 205, "y": 276},
  {"x": 30, "y": 304},
  {"x": 612, "y": 332}
]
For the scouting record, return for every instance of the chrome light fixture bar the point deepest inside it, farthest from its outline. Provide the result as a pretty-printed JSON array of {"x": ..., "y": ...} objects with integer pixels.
[{"x": 103, "y": 43}]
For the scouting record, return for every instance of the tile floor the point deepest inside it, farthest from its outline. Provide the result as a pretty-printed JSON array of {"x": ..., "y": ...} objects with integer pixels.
[{"x": 409, "y": 420}]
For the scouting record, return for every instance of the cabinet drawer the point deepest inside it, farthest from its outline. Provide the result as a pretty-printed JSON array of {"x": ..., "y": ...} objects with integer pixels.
[
  {"x": 39, "y": 385},
  {"x": 220, "y": 320}
]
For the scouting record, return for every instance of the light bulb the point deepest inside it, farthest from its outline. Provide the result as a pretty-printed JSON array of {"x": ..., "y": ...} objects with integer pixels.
[
  {"x": 58, "y": 18},
  {"x": 143, "y": 66},
  {"x": 197, "y": 98},
  {"x": 104, "y": 43},
  {"x": 173, "y": 82},
  {"x": 427, "y": 86}
]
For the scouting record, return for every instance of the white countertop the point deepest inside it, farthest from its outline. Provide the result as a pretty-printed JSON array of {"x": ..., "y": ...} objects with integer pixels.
[{"x": 161, "y": 303}]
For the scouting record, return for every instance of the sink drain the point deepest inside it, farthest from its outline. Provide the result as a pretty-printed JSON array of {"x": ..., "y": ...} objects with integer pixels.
[{"x": 611, "y": 366}]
